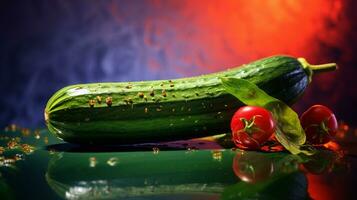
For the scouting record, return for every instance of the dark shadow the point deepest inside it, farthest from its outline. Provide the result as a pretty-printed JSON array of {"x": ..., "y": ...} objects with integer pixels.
[{"x": 167, "y": 146}]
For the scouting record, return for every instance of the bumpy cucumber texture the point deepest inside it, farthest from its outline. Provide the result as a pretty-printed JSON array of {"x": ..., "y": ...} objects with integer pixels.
[{"x": 162, "y": 110}]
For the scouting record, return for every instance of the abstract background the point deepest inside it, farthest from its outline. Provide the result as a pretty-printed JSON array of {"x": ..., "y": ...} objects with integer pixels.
[{"x": 46, "y": 45}]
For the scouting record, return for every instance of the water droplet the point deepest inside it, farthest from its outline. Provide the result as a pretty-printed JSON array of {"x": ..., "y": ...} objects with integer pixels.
[
  {"x": 9, "y": 162},
  {"x": 25, "y": 131},
  {"x": 155, "y": 150},
  {"x": 109, "y": 101},
  {"x": 191, "y": 149},
  {"x": 18, "y": 156},
  {"x": 130, "y": 100},
  {"x": 91, "y": 103},
  {"x": 164, "y": 93},
  {"x": 128, "y": 86},
  {"x": 27, "y": 148},
  {"x": 99, "y": 99},
  {"x": 112, "y": 161},
  {"x": 45, "y": 140},
  {"x": 141, "y": 95},
  {"x": 217, "y": 155},
  {"x": 92, "y": 162}
]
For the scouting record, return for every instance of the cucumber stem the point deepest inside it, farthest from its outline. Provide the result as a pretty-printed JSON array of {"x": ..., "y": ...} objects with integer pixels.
[
  {"x": 323, "y": 67},
  {"x": 318, "y": 68},
  {"x": 312, "y": 69}
]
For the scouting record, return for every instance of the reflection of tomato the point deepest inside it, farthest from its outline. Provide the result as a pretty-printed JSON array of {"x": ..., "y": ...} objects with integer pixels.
[
  {"x": 316, "y": 168},
  {"x": 321, "y": 162},
  {"x": 319, "y": 123},
  {"x": 252, "y": 126},
  {"x": 252, "y": 168}
]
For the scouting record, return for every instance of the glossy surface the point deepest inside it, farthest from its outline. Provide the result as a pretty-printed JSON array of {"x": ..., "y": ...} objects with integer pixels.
[
  {"x": 252, "y": 126},
  {"x": 319, "y": 123},
  {"x": 186, "y": 108},
  {"x": 195, "y": 169}
]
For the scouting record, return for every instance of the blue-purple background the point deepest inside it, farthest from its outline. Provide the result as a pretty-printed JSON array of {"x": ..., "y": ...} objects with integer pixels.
[{"x": 46, "y": 45}]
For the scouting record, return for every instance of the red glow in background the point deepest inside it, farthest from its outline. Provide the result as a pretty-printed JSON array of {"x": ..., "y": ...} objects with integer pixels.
[
  {"x": 200, "y": 37},
  {"x": 214, "y": 36},
  {"x": 46, "y": 46}
]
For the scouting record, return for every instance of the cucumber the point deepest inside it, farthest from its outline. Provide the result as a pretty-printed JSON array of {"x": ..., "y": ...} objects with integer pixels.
[
  {"x": 171, "y": 174},
  {"x": 141, "y": 174},
  {"x": 162, "y": 110}
]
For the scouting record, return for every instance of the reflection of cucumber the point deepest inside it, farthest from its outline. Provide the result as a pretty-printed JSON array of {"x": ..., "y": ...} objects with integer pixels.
[
  {"x": 284, "y": 186},
  {"x": 5, "y": 191},
  {"x": 115, "y": 175},
  {"x": 165, "y": 109}
]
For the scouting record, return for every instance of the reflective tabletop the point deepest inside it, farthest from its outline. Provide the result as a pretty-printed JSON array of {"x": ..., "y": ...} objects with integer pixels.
[{"x": 36, "y": 165}]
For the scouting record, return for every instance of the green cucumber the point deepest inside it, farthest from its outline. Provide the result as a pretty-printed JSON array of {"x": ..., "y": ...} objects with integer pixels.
[
  {"x": 141, "y": 174},
  {"x": 172, "y": 174},
  {"x": 162, "y": 110}
]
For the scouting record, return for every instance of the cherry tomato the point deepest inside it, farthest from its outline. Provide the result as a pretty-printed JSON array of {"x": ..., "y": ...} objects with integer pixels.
[
  {"x": 252, "y": 126},
  {"x": 319, "y": 123}
]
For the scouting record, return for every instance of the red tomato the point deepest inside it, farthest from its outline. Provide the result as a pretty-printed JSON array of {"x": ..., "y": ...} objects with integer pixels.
[
  {"x": 252, "y": 126},
  {"x": 252, "y": 168},
  {"x": 319, "y": 123}
]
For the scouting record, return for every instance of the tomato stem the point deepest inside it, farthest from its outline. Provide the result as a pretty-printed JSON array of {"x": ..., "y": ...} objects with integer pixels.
[{"x": 249, "y": 125}]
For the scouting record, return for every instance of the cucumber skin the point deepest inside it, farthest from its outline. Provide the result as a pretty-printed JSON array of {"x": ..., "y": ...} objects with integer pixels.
[
  {"x": 167, "y": 172},
  {"x": 154, "y": 111}
]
